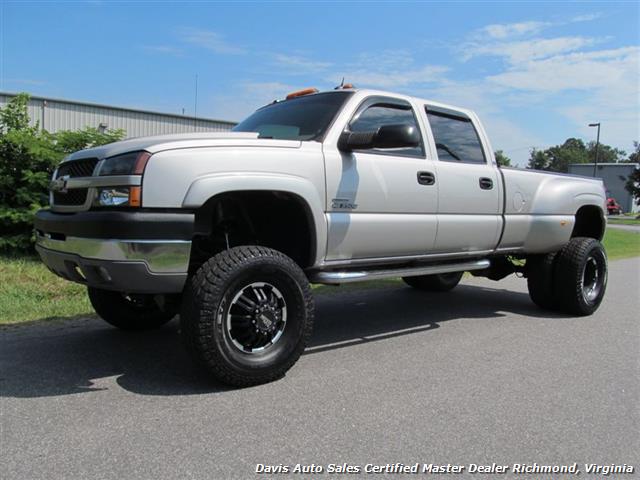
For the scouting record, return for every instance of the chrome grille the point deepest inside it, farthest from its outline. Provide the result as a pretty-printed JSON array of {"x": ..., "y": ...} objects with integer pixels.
[
  {"x": 78, "y": 168},
  {"x": 75, "y": 196}
]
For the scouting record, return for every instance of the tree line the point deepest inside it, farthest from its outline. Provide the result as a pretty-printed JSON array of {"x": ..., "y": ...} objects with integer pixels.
[{"x": 574, "y": 150}]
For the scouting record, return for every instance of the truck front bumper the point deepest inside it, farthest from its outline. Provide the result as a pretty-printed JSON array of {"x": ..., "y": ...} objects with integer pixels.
[{"x": 133, "y": 252}]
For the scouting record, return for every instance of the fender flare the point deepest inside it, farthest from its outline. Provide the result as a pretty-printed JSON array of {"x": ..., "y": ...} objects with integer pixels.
[{"x": 206, "y": 187}]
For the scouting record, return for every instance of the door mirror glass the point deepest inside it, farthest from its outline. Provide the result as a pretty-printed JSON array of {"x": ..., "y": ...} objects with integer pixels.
[
  {"x": 386, "y": 136},
  {"x": 397, "y": 136}
]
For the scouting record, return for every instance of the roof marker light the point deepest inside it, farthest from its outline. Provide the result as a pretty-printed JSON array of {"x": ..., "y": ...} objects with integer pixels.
[{"x": 301, "y": 93}]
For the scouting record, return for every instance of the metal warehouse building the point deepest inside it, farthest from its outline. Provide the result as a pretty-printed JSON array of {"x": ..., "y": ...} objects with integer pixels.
[
  {"x": 614, "y": 176},
  {"x": 55, "y": 114}
]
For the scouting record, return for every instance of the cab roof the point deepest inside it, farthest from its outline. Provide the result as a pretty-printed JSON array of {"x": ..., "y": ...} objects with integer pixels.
[{"x": 366, "y": 92}]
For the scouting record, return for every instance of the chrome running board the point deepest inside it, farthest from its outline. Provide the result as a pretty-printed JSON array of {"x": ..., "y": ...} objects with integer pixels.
[{"x": 350, "y": 276}]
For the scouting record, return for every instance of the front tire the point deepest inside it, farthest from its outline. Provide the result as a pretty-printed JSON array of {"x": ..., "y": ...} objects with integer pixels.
[
  {"x": 130, "y": 312},
  {"x": 247, "y": 315},
  {"x": 442, "y": 282},
  {"x": 581, "y": 276}
]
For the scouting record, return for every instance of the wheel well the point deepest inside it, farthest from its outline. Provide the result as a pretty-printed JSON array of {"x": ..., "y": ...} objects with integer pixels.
[
  {"x": 589, "y": 222},
  {"x": 279, "y": 220}
]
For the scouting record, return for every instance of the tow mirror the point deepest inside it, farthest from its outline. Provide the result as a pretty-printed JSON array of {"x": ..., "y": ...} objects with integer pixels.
[{"x": 387, "y": 136}]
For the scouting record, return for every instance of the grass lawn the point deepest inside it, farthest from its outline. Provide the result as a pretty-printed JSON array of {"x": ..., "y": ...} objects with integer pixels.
[
  {"x": 621, "y": 244},
  {"x": 28, "y": 291}
]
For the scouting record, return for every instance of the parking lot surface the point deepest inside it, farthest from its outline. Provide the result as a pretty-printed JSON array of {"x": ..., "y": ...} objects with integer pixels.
[{"x": 392, "y": 375}]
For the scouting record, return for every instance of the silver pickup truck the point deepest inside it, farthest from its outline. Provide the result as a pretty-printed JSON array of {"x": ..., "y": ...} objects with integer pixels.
[{"x": 229, "y": 229}]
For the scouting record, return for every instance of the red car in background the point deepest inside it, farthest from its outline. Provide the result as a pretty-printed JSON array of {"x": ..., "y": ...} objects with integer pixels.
[{"x": 613, "y": 207}]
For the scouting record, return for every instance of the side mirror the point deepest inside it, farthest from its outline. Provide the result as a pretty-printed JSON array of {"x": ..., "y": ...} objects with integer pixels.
[{"x": 387, "y": 136}]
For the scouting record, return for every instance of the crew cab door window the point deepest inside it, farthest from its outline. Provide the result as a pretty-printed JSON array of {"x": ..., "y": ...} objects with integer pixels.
[
  {"x": 374, "y": 116},
  {"x": 455, "y": 137}
]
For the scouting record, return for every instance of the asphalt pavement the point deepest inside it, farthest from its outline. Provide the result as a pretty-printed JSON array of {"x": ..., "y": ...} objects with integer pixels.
[{"x": 477, "y": 375}]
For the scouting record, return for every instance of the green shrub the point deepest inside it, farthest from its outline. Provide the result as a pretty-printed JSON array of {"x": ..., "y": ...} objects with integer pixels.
[{"x": 28, "y": 157}]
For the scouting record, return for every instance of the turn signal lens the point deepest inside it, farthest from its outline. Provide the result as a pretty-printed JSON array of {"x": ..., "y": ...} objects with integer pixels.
[{"x": 135, "y": 197}]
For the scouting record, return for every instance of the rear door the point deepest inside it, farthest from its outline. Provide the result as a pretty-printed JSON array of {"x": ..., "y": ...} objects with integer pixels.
[{"x": 469, "y": 188}]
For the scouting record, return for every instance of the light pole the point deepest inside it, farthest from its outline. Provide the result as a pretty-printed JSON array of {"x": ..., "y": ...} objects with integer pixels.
[{"x": 595, "y": 165}]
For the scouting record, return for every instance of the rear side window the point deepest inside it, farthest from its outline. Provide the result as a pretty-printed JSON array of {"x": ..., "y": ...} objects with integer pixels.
[
  {"x": 379, "y": 114},
  {"x": 455, "y": 136}
]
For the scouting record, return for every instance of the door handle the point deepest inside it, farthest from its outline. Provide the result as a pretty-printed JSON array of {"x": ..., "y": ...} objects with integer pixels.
[
  {"x": 486, "y": 183},
  {"x": 426, "y": 178}
]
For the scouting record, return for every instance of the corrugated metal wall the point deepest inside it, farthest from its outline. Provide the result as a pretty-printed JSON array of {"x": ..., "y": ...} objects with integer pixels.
[
  {"x": 615, "y": 177},
  {"x": 54, "y": 115}
]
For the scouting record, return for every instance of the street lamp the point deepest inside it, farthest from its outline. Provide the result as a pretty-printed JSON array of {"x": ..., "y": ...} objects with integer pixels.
[{"x": 595, "y": 165}]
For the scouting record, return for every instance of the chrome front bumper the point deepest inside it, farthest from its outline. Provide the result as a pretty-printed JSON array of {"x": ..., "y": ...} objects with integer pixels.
[
  {"x": 133, "y": 266},
  {"x": 134, "y": 251}
]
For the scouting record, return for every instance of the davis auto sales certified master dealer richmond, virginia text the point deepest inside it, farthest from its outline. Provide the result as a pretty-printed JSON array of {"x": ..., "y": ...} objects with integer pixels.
[{"x": 416, "y": 468}]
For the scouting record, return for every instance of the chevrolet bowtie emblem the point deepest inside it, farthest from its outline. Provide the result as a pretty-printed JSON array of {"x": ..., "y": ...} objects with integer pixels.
[{"x": 59, "y": 184}]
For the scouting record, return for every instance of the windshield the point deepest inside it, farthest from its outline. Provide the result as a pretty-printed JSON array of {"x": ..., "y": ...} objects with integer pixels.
[{"x": 302, "y": 118}]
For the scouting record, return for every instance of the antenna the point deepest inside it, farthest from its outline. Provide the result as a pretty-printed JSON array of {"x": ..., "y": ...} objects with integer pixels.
[{"x": 195, "y": 106}]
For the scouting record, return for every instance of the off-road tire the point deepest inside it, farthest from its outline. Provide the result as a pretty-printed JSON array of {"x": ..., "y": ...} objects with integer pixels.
[
  {"x": 129, "y": 312},
  {"x": 541, "y": 280},
  {"x": 208, "y": 298},
  {"x": 442, "y": 282},
  {"x": 574, "y": 269}
]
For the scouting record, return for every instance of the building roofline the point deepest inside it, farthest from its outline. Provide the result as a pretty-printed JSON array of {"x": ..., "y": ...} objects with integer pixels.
[{"x": 124, "y": 109}]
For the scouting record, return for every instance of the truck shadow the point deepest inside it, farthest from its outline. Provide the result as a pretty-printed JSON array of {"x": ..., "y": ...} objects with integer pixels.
[{"x": 85, "y": 355}]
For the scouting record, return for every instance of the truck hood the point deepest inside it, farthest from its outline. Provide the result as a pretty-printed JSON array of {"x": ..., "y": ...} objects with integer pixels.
[{"x": 182, "y": 140}]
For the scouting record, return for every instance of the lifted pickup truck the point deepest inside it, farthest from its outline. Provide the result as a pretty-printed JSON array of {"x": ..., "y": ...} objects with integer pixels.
[{"x": 229, "y": 229}]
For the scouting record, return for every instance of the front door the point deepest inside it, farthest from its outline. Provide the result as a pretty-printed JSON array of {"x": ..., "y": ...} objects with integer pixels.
[{"x": 380, "y": 202}]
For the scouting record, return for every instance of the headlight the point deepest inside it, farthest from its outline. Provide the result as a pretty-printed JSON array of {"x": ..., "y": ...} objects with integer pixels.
[
  {"x": 127, "y": 164},
  {"x": 118, "y": 197}
]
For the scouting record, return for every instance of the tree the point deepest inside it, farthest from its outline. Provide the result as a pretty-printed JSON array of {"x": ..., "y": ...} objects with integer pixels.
[
  {"x": 635, "y": 155},
  {"x": 538, "y": 160},
  {"x": 71, "y": 141},
  {"x": 633, "y": 182},
  {"x": 502, "y": 159},
  {"x": 14, "y": 115},
  {"x": 606, "y": 153},
  {"x": 633, "y": 185},
  {"x": 573, "y": 150},
  {"x": 28, "y": 157}
]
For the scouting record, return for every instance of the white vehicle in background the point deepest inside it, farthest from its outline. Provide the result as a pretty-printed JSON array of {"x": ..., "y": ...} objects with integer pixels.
[{"x": 229, "y": 229}]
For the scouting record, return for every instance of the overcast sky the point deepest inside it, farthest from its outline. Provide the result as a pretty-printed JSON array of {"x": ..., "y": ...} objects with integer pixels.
[{"x": 537, "y": 73}]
